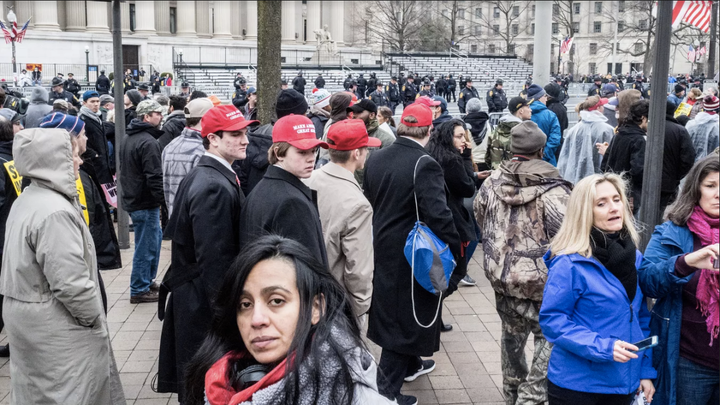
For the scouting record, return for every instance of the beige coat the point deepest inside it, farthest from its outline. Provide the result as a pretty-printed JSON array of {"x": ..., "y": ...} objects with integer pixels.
[
  {"x": 346, "y": 218},
  {"x": 53, "y": 311}
]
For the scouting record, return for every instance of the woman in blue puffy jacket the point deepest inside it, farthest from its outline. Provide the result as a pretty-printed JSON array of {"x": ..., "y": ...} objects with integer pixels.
[
  {"x": 678, "y": 271},
  {"x": 593, "y": 309}
]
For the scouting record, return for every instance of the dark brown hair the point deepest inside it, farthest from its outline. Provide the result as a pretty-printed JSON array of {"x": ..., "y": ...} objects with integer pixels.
[
  {"x": 681, "y": 210},
  {"x": 277, "y": 149},
  {"x": 412, "y": 132}
]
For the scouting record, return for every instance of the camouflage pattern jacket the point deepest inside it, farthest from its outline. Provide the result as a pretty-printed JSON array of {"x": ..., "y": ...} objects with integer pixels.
[{"x": 520, "y": 207}]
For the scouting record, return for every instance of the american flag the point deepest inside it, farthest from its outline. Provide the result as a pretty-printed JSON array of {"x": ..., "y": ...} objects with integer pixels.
[
  {"x": 565, "y": 45},
  {"x": 695, "y": 13},
  {"x": 12, "y": 34},
  {"x": 691, "y": 54},
  {"x": 8, "y": 34},
  {"x": 19, "y": 35}
]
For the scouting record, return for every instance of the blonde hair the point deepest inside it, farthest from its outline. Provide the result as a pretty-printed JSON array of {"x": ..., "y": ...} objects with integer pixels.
[
  {"x": 589, "y": 102},
  {"x": 694, "y": 93},
  {"x": 574, "y": 233}
]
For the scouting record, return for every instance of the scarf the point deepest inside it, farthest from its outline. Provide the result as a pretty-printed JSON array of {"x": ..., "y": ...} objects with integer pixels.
[
  {"x": 708, "y": 289},
  {"x": 218, "y": 389},
  {"x": 86, "y": 112},
  {"x": 617, "y": 252}
]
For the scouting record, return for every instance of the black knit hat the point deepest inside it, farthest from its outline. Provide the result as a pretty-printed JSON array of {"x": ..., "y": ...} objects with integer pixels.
[{"x": 290, "y": 101}]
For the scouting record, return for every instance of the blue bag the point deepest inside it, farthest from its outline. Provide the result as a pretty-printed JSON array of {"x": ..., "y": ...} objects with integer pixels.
[{"x": 430, "y": 259}]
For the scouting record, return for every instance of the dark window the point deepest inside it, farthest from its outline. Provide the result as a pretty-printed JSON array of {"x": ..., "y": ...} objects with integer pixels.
[
  {"x": 532, "y": 29},
  {"x": 638, "y": 47},
  {"x": 355, "y": 61},
  {"x": 496, "y": 30},
  {"x": 572, "y": 49},
  {"x": 511, "y": 49},
  {"x": 496, "y": 12},
  {"x": 461, "y": 13},
  {"x": 556, "y": 9},
  {"x": 132, "y": 17},
  {"x": 516, "y": 11},
  {"x": 576, "y": 28},
  {"x": 532, "y": 12},
  {"x": 491, "y": 48},
  {"x": 555, "y": 28},
  {"x": 597, "y": 27},
  {"x": 593, "y": 48},
  {"x": 461, "y": 30},
  {"x": 598, "y": 7},
  {"x": 478, "y": 31},
  {"x": 593, "y": 68},
  {"x": 478, "y": 12},
  {"x": 173, "y": 20},
  {"x": 643, "y": 24},
  {"x": 621, "y": 26},
  {"x": 621, "y": 6},
  {"x": 515, "y": 29},
  {"x": 576, "y": 8},
  {"x": 473, "y": 48},
  {"x": 531, "y": 49}
]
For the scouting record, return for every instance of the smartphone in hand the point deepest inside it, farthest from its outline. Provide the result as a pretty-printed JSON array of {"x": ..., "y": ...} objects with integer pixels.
[{"x": 648, "y": 343}]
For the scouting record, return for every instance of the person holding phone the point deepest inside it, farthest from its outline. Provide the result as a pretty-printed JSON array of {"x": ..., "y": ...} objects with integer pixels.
[
  {"x": 593, "y": 309},
  {"x": 680, "y": 271}
]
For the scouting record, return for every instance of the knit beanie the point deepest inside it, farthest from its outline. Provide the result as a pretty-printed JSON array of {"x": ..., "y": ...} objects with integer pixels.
[
  {"x": 321, "y": 98},
  {"x": 290, "y": 101},
  {"x": 73, "y": 125},
  {"x": 474, "y": 105},
  {"x": 527, "y": 138},
  {"x": 134, "y": 96}
]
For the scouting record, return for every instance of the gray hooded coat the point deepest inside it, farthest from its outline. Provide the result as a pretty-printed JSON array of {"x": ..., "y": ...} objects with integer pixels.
[
  {"x": 37, "y": 109},
  {"x": 579, "y": 157},
  {"x": 53, "y": 311}
]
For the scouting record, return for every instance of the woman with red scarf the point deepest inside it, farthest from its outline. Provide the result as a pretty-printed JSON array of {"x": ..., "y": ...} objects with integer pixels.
[
  {"x": 680, "y": 271},
  {"x": 283, "y": 333}
]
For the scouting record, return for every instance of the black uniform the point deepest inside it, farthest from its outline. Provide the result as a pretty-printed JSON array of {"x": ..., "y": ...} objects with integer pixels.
[
  {"x": 346, "y": 83},
  {"x": 361, "y": 86},
  {"x": 238, "y": 82},
  {"x": 240, "y": 98},
  {"x": 319, "y": 82},
  {"x": 466, "y": 94},
  {"x": 393, "y": 94},
  {"x": 496, "y": 100},
  {"x": 72, "y": 86},
  {"x": 409, "y": 92},
  {"x": 102, "y": 84},
  {"x": 371, "y": 85},
  {"x": 379, "y": 98},
  {"x": 451, "y": 89},
  {"x": 595, "y": 90},
  {"x": 638, "y": 85},
  {"x": 299, "y": 84},
  {"x": 441, "y": 87},
  {"x": 64, "y": 95}
]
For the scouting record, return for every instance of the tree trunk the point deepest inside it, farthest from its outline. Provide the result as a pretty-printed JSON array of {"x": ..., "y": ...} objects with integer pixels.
[{"x": 268, "y": 68}]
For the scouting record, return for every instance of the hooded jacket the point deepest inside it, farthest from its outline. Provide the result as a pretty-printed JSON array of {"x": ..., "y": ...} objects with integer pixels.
[
  {"x": 549, "y": 124},
  {"x": 498, "y": 145},
  {"x": 141, "y": 168},
  {"x": 38, "y": 108},
  {"x": 9, "y": 194},
  {"x": 704, "y": 132},
  {"x": 172, "y": 128},
  {"x": 319, "y": 118},
  {"x": 627, "y": 154},
  {"x": 678, "y": 159},
  {"x": 52, "y": 307},
  {"x": 520, "y": 207},
  {"x": 579, "y": 158}
]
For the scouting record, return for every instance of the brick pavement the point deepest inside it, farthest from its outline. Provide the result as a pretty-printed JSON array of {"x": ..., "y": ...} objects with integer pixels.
[{"x": 468, "y": 363}]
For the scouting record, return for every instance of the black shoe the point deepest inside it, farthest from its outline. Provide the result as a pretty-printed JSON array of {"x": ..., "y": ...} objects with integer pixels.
[
  {"x": 406, "y": 400},
  {"x": 155, "y": 286},
  {"x": 148, "y": 296},
  {"x": 5, "y": 350},
  {"x": 446, "y": 327},
  {"x": 426, "y": 367}
]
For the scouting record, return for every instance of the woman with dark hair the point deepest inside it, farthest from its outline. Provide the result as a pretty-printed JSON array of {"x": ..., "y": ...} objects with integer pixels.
[
  {"x": 680, "y": 271},
  {"x": 448, "y": 147},
  {"x": 283, "y": 333}
]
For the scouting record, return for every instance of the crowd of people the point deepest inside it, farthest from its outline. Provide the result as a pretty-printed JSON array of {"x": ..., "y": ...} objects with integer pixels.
[{"x": 288, "y": 240}]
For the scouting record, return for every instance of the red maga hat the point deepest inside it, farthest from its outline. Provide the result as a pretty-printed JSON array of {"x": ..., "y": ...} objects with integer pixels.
[
  {"x": 298, "y": 131},
  {"x": 224, "y": 118},
  {"x": 421, "y": 112},
  {"x": 350, "y": 135}
]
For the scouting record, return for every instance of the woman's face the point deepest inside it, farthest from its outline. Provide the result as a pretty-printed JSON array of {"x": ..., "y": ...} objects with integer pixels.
[
  {"x": 269, "y": 309},
  {"x": 299, "y": 162},
  {"x": 607, "y": 208},
  {"x": 459, "y": 138},
  {"x": 710, "y": 194}
]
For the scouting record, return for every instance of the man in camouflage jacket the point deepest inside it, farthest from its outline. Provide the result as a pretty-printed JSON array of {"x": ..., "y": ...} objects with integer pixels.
[{"x": 520, "y": 207}]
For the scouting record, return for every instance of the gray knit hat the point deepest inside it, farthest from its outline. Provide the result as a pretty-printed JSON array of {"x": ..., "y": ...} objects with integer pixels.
[
  {"x": 527, "y": 138},
  {"x": 473, "y": 105}
]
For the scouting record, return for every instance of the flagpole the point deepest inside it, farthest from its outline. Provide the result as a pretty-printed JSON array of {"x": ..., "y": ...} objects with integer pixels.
[{"x": 15, "y": 78}]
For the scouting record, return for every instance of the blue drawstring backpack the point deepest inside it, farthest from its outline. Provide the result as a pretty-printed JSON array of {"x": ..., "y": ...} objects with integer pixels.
[{"x": 430, "y": 259}]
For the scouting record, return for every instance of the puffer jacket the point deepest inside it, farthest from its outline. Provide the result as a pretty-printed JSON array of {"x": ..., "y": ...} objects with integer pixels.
[
  {"x": 38, "y": 108},
  {"x": 520, "y": 207},
  {"x": 704, "y": 133},
  {"x": 498, "y": 146},
  {"x": 579, "y": 158},
  {"x": 548, "y": 122}
]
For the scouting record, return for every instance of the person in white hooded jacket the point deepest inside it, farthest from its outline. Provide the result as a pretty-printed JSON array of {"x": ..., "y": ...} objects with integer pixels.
[
  {"x": 704, "y": 130},
  {"x": 579, "y": 157}
]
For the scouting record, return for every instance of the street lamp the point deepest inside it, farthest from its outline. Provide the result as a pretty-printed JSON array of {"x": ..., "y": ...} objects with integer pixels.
[
  {"x": 180, "y": 53},
  {"x": 87, "y": 63}
]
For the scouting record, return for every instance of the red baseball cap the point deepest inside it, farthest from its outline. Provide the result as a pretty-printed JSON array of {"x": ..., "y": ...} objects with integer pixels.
[
  {"x": 421, "y": 112},
  {"x": 298, "y": 131},
  {"x": 350, "y": 135},
  {"x": 600, "y": 103},
  {"x": 224, "y": 118},
  {"x": 425, "y": 100}
]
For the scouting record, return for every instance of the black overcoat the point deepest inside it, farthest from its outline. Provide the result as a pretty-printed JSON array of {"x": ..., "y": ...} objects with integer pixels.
[{"x": 388, "y": 185}]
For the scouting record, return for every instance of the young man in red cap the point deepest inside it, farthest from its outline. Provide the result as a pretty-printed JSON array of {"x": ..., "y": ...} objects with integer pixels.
[
  {"x": 204, "y": 228},
  {"x": 281, "y": 203},
  {"x": 390, "y": 188},
  {"x": 345, "y": 213}
]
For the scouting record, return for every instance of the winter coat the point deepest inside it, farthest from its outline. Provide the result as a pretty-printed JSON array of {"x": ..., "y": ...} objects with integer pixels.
[
  {"x": 627, "y": 154},
  {"x": 64, "y": 95},
  {"x": 253, "y": 168},
  {"x": 550, "y": 125},
  {"x": 496, "y": 100},
  {"x": 499, "y": 141},
  {"x": 97, "y": 142},
  {"x": 240, "y": 98},
  {"x": 172, "y": 128},
  {"x": 299, "y": 85},
  {"x": 141, "y": 168},
  {"x": 389, "y": 188},
  {"x": 7, "y": 189},
  {"x": 560, "y": 111},
  {"x": 697, "y": 108},
  {"x": 675, "y": 99},
  {"x": 704, "y": 132},
  {"x": 459, "y": 178},
  {"x": 678, "y": 159},
  {"x": 102, "y": 85},
  {"x": 657, "y": 280},
  {"x": 52, "y": 308},
  {"x": 281, "y": 204},
  {"x": 379, "y": 98},
  {"x": 178, "y": 158},
  {"x": 319, "y": 117},
  {"x": 346, "y": 218},
  {"x": 520, "y": 207},
  {"x": 610, "y": 115},
  {"x": 579, "y": 157},
  {"x": 477, "y": 120},
  {"x": 37, "y": 109},
  {"x": 585, "y": 309},
  {"x": 205, "y": 231},
  {"x": 466, "y": 94}
]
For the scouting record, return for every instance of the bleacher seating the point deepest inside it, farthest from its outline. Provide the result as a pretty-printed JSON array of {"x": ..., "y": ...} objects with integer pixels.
[{"x": 483, "y": 71}]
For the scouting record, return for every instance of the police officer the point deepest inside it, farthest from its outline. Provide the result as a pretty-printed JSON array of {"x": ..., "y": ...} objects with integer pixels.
[
  {"x": 596, "y": 88},
  {"x": 59, "y": 93},
  {"x": 451, "y": 88},
  {"x": 319, "y": 81},
  {"x": 299, "y": 83},
  {"x": 495, "y": 98},
  {"x": 393, "y": 93},
  {"x": 371, "y": 84},
  {"x": 409, "y": 91},
  {"x": 466, "y": 94},
  {"x": 346, "y": 83},
  {"x": 102, "y": 84},
  {"x": 441, "y": 87},
  {"x": 638, "y": 85},
  {"x": 378, "y": 96},
  {"x": 361, "y": 86},
  {"x": 463, "y": 82},
  {"x": 239, "y": 79},
  {"x": 426, "y": 89},
  {"x": 72, "y": 85},
  {"x": 240, "y": 96},
  {"x": 563, "y": 83}
]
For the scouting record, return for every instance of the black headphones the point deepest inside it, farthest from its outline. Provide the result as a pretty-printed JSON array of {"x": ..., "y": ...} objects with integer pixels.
[{"x": 248, "y": 376}]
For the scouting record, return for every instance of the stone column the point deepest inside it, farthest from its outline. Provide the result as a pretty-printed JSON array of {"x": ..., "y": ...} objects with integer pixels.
[
  {"x": 223, "y": 20},
  {"x": 236, "y": 16},
  {"x": 75, "y": 18},
  {"x": 288, "y": 22},
  {"x": 125, "y": 16},
  {"x": 145, "y": 18},
  {"x": 186, "y": 19},
  {"x": 202, "y": 18},
  {"x": 337, "y": 21},
  {"x": 97, "y": 16},
  {"x": 314, "y": 16},
  {"x": 162, "y": 17},
  {"x": 251, "y": 17},
  {"x": 45, "y": 15},
  {"x": 23, "y": 11}
]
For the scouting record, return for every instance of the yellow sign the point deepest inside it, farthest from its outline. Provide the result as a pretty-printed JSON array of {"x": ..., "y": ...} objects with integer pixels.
[
  {"x": 83, "y": 202},
  {"x": 683, "y": 109},
  {"x": 14, "y": 176}
]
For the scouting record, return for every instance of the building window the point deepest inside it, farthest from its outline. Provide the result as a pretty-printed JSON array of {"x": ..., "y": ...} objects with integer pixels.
[
  {"x": 478, "y": 12},
  {"x": 556, "y": 9},
  {"x": 555, "y": 28},
  {"x": 511, "y": 49},
  {"x": 473, "y": 48},
  {"x": 132, "y": 17},
  {"x": 461, "y": 30},
  {"x": 643, "y": 24},
  {"x": 496, "y": 12},
  {"x": 478, "y": 31},
  {"x": 461, "y": 13},
  {"x": 576, "y": 28},
  {"x": 496, "y": 29},
  {"x": 531, "y": 49},
  {"x": 532, "y": 11},
  {"x": 576, "y": 8},
  {"x": 621, "y": 6},
  {"x": 597, "y": 27},
  {"x": 491, "y": 48},
  {"x": 446, "y": 13},
  {"x": 621, "y": 26},
  {"x": 593, "y": 48},
  {"x": 173, "y": 20},
  {"x": 516, "y": 11},
  {"x": 598, "y": 7},
  {"x": 638, "y": 47},
  {"x": 593, "y": 68},
  {"x": 532, "y": 29},
  {"x": 572, "y": 49},
  {"x": 515, "y": 29}
]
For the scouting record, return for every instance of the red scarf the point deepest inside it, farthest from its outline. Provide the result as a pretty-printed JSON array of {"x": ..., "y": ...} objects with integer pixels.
[
  {"x": 708, "y": 290},
  {"x": 217, "y": 386}
]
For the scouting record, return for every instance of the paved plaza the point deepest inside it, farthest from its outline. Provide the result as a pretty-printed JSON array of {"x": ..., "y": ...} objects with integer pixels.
[{"x": 468, "y": 363}]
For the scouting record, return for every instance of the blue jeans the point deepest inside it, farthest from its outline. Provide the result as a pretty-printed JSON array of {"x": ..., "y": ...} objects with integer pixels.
[
  {"x": 696, "y": 384},
  {"x": 148, "y": 239}
]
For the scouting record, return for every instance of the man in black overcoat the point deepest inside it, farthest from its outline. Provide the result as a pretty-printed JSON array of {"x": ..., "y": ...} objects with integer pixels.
[
  {"x": 204, "y": 228},
  {"x": 388, "y": 185}
]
